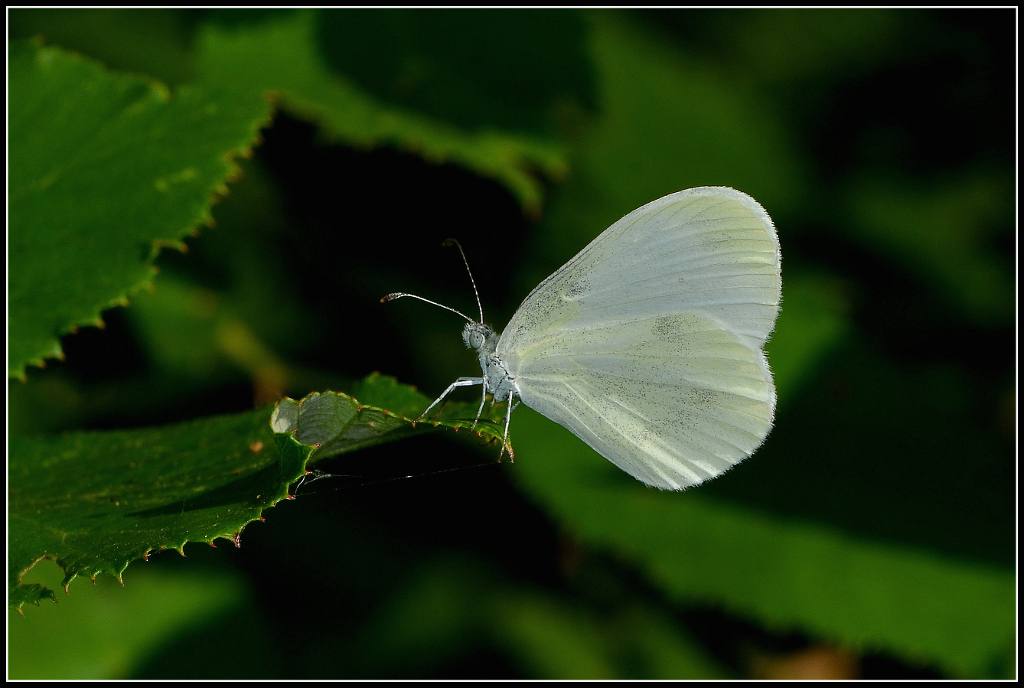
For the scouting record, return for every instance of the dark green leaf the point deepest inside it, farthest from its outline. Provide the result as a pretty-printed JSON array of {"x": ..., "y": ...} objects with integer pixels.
[
  {"x": 338, "y": 423},
  {"x": 279, "y": 55},
  {"x": 505, "y": 69},
  {"x": 96, "y": 501}
]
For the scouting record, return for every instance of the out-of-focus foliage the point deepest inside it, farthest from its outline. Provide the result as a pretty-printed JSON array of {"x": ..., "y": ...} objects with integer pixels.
[{"x": 872, "y": 535}]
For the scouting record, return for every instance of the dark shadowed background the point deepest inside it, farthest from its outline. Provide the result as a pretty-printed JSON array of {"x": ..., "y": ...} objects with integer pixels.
[{"x": 881, "y": 142}]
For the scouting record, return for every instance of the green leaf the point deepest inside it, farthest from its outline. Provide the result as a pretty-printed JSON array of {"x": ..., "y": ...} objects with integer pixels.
[
  {"x": 279, "y": 55},
  {"x": 96, "y": 501},
  {"x": 105, "y": 169},
  {"x": 338, "y": 423}
]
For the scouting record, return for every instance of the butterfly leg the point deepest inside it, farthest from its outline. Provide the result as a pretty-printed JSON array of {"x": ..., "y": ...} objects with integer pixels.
[
  {"x": 504, "y": 442},
  {"x": 479, "y": 411},
  {"x": 461, "y": 382}
]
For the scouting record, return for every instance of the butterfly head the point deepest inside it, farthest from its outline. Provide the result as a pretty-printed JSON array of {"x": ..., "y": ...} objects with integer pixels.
[{"x": 479, "y": 337}]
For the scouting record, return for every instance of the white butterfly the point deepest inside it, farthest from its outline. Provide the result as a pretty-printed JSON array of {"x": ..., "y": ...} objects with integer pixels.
[{"x": 648, "y": 344}]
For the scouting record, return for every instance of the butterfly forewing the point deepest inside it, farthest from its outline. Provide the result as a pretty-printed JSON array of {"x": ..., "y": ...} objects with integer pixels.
[{"x": 709, "y": 249}]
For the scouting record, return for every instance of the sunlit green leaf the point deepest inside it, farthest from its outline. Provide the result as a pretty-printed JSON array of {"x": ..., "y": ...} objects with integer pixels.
[{"x": 105, "y": 169}]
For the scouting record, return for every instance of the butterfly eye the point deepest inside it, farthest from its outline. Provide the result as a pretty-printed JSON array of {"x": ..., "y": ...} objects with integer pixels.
[{"x": 473, "y": 337}]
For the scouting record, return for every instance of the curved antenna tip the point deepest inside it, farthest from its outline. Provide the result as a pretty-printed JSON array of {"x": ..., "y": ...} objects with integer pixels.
[{"x": 400, "y": 294}]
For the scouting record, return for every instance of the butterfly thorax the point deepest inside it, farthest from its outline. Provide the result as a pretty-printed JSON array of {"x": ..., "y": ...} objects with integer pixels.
[{"x": 497, "y": 380}]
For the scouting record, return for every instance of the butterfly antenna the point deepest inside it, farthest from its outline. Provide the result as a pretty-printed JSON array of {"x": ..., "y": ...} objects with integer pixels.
[
  {"x": 398, "y": 294},
  {"x": 449, "y": 242}
]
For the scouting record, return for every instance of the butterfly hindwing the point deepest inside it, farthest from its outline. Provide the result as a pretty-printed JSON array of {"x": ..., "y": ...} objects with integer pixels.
[{"x": 671, "y": 400}]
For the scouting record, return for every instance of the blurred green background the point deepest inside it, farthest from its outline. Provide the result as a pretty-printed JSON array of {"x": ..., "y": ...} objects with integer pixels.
[{"x": 871, "y": 536}]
